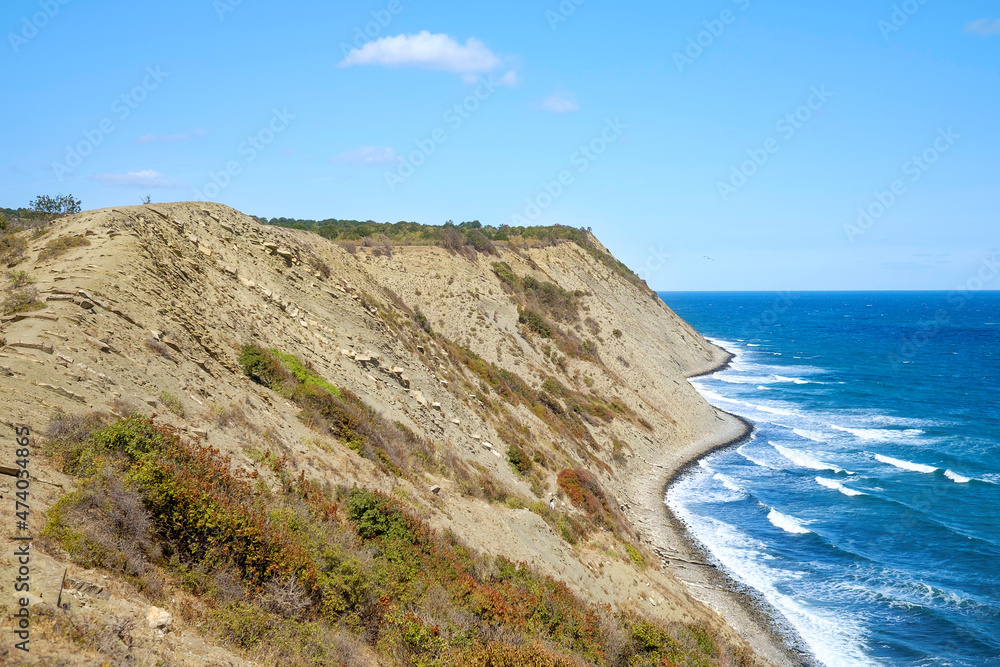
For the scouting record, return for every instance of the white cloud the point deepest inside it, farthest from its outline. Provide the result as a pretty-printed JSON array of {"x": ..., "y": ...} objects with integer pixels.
[
  {"x": 510, "y": 79},
  {"x": 437, "y": 52},
  {"x": 984, "y": 27},
  {"x": 560, "y": 103},
  {"x": 172, "y": 138},
  {"x": 138, "y": 179},
  {"x": 367, "y": 155}
]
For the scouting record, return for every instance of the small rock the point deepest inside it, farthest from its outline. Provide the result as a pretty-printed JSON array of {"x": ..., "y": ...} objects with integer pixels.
[
  {"x": 436, "y": 406},
  {"x": 487, "y": 445},
  {"x": 420, "y": 349},
  {"x": 435, "y": 489},
  {"x": 159, "y": 619}
]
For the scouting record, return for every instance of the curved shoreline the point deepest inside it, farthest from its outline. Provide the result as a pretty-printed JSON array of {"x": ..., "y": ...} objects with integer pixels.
[{"x": 742, "y": 608}]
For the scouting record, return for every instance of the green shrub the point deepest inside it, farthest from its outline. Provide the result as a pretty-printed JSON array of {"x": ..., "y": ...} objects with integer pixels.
[
  {"x": 302, "y": 372},
  {"x": 375, "y": 516},
  {"x": 519, "y": 459},
  {"x": 172, "y": 403},
  {"x": 506, "y": 274},
  {"x": 19, "y": 279},
  {"x": 421, "y": 320},
  {"x": 286, "y": 576},
  {"x": 636, "y": 556},
  {"x": 260, "y": 366},
  {"x": 534, "y": 322}
]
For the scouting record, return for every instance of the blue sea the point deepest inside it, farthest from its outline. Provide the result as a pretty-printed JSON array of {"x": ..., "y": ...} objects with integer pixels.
[{"x": 865, "y": 508}]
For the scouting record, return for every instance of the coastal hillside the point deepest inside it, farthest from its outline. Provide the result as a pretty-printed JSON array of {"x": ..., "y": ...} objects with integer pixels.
[{"x": 251, "y": 445}]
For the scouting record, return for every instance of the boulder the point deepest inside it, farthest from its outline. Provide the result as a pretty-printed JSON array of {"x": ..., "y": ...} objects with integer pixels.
[{"x": 159, "y": 619}]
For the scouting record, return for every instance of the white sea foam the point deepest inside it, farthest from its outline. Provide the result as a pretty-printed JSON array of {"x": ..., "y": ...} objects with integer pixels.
[
  {"x": 742, "y": 451},
  {"x": 837, "y": 486},
  {"x": 729, "y": 483},
  {"x": 712, "y": 396},
  {"x": 815, "y": 436},
  {"x": 836, "y": 637},
  {"x": 789, "y": 524},
  {"x": 905, "y": 465},
  {"x": 782, "y": 378},
  {"x": 955, "y": 477},
  {"x": 773, "y": 411},
  {"x": 804, "y": 460},
  {"x": 878, "y": 434}
]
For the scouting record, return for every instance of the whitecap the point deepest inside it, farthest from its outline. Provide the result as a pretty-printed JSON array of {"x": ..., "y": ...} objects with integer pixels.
[
  {"x": 815, "y": 436},
  {"x": 773, "y": 411},
  {"x": 804, "y": 460},
  {"x": 905, "y": 465},
  {"x": 837, "y": 486},
  {"x": 749, "y": 457},
  {"x": 729, "y": 483},
  {"x": 789, "y": 524},
  {"x": 878, "y": 434},
  {"x": 836, "y": 637},
  {"x": 955, "y": 477},
  {"x": 782, "y": 378}
]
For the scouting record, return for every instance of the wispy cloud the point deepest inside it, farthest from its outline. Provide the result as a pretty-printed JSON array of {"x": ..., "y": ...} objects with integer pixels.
[
  {"x": 172, "y": 138},
  {"x": 138, "y": 179},
  {"x": 429, "y": 51},
  {"x": 367, "y": 156},
  {"x": 560, "y": 103},
  {"x": 987, "y": 27}
]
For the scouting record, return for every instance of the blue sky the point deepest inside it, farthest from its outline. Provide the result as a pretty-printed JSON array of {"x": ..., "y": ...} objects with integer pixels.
[{"x": 716, "y": 145}]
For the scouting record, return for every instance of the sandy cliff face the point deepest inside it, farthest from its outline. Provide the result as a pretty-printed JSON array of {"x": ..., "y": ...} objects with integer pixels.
[{"x": 151, "y": 315}]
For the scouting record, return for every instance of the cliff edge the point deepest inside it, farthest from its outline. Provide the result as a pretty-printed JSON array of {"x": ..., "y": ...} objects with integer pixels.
[{"x": 520, "y": 404}]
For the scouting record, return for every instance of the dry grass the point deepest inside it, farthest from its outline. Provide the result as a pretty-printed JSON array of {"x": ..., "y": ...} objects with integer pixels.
[
  {"x": 159, "y": 348},
  {"x": 12, "y": 248},
  {"x": 61, "y": 246},
  {"x": 21, "y": 301}
]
